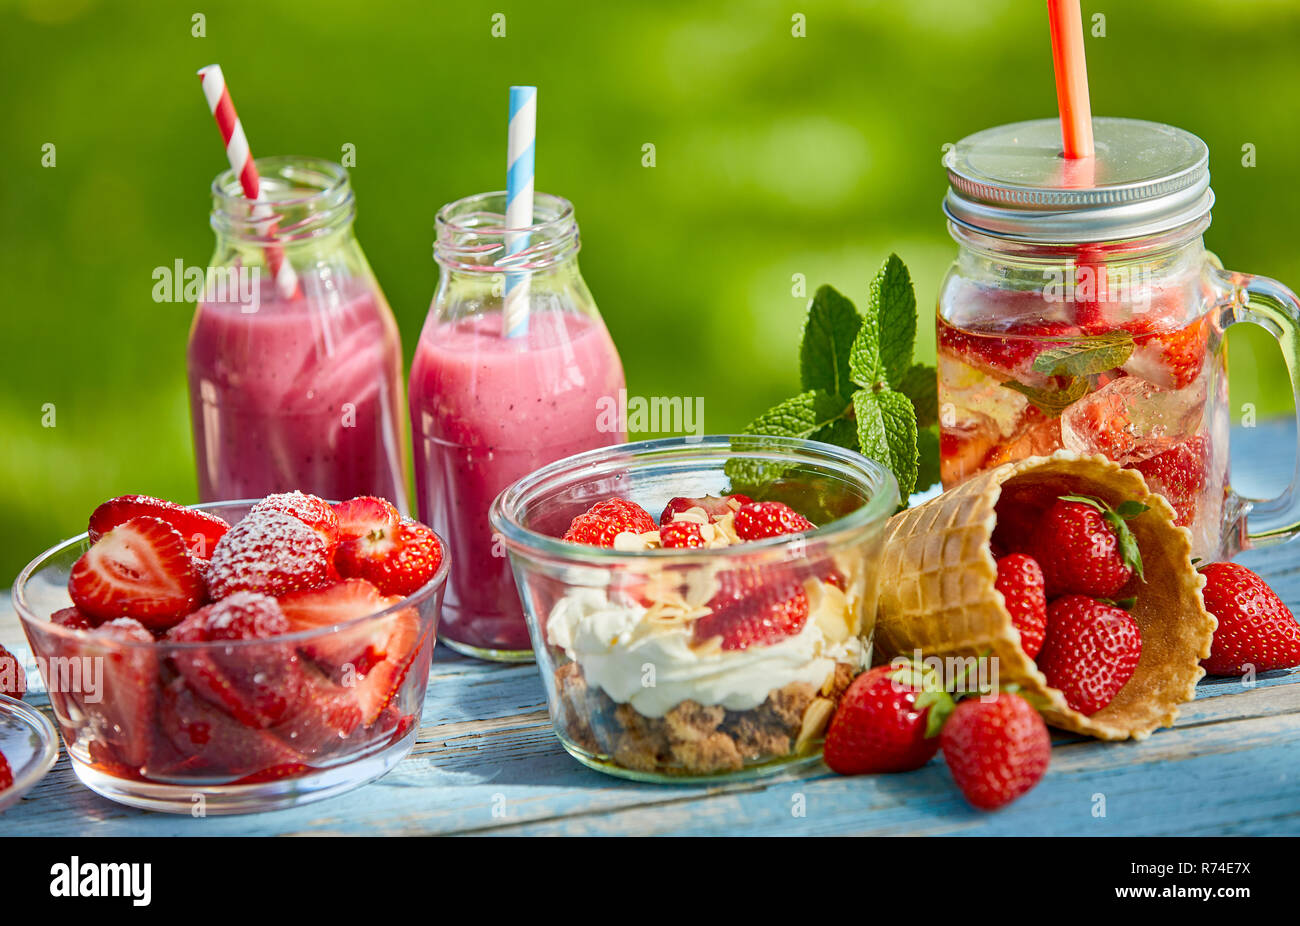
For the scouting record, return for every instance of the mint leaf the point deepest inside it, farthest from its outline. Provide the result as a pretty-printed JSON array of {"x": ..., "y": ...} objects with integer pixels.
[
  {"x": 893, "y": 308},
  {"x": 828, "y": 333},
  {"x": 1051, "y": 402},
  {"x": 921, "y": 384},
  {"x": 804, "y": 416},
  {"x": 887, "y": 434},
  {"x": 800, "y": 416},
  {"x": 1094, "y": 355},
  {"x": 866, "y": 368},
  {"x": 927, "y": 458}
]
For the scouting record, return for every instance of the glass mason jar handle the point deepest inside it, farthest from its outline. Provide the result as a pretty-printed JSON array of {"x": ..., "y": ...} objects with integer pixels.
[{"x": 1276, "y": 309}]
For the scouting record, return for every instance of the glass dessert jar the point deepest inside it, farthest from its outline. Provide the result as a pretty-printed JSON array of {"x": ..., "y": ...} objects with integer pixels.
[
  {"x": 166, "y": 725},
  {"x": 1083, "y": 311},
  {"x": 301, "y": 389},
  {"x": 487, "y": 408},
  {"x": 634, "y": 687}
]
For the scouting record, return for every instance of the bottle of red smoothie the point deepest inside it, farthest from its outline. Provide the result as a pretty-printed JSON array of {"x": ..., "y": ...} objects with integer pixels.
[
  {"x": 487, "y": 409},
  {"x": 299, "y": 389}
]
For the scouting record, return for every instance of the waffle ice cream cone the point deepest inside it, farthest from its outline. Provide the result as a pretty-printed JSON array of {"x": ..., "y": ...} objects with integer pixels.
[{"x": 937, "y": 591}]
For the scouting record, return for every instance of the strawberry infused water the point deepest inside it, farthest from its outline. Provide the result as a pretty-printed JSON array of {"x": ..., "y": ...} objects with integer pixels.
[
  {"x": 1083, "y": 312},
  {"x": 488, "y": 408}
]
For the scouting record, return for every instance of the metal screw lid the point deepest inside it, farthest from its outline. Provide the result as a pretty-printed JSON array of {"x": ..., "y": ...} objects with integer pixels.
[{"x": 1013, "y": 181}]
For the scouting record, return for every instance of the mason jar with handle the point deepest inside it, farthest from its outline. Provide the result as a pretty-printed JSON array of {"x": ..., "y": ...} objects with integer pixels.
[{"x": 1084, "y": 312}]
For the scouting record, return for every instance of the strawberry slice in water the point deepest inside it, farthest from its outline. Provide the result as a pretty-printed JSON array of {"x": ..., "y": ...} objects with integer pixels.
[
  {"x": 1180, "y": 474},
  {"x": 140, "y": 568}
]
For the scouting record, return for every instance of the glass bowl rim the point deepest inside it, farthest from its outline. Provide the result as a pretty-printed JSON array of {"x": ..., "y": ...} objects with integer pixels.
[
  {"x": 27, "y": 614},
  {"x": 878, "y": 508},
  {"x": 49, "y": 751}
]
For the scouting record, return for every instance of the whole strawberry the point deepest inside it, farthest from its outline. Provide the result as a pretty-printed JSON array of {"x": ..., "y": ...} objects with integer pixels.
[
  {"x": 759, "y": 520},
  {"x": 1256, "y": 629},
  {"x": 13, "y": 681},
  {"x": 1085, "y": 547},
  {"x": 681, "y": 535},
  {"x": 6, "y": 774},
  {"x": 879, "y": 725},
  {"x": 996, "y": 749},
  {"x": 603, "y": 521},
  {"x": 1090, "y": 652},
  {"x": 1020, "y": 580}
]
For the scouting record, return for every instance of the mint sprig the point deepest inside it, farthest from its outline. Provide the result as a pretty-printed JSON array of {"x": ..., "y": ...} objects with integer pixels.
[{"x": 861, "y": 388}]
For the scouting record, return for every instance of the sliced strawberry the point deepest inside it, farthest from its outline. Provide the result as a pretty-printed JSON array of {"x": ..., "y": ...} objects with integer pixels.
[
  {"x": 199, "y": 738},
  {"x": 714, "y": 506},
  {"x": 1171, "y": 359},
  {"x": 758, "y": 617},
  {"x": 311, "y": 510},
  {"x": 365, "y": 514},
  {"x": 269, "y": 552},
  {"x": 200, "y": 529},
  {"x": 72, "y": 618},
  {"x": 759, "y": 520},
  {"x": 1179, "y": 474},
  {"x": 121, "y": 713},
  {"x": 140, "y": 568},
  {"x": 6, "y": 774},
  {"x": 259, "y": 685},
  {"x": 399, "y": 561},
  {"x": 324, "y": 717},
  {"x": 356, "y": 647},
  {"x": 376, "y": 690},
  {"x": 1007, "y": 353}
]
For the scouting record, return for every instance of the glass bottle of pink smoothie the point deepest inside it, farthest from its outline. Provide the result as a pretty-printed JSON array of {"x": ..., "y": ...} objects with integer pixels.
[
  {"x": 487, "y": 409},
  {"x": 297, "y": 389}
]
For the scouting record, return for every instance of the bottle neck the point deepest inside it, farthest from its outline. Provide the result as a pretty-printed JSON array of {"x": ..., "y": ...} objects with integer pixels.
[
  {"x": 473, "y": 240},
  {"x": 301, "y": 201}
]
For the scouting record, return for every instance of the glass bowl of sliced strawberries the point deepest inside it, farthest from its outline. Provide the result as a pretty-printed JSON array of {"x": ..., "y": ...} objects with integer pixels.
[
  {"x": 237, "y": 656},
  {"x": 698, "y": 607}
]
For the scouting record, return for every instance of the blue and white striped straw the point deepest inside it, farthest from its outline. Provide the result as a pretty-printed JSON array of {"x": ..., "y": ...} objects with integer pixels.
[{"x": 519, "y": 201}]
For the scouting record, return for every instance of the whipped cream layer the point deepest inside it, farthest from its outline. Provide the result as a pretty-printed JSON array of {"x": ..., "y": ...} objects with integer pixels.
[{"x": 653, "y": 667}]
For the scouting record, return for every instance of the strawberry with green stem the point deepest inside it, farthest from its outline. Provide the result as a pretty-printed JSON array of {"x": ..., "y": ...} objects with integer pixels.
[{"x": 1085, "y": 547}]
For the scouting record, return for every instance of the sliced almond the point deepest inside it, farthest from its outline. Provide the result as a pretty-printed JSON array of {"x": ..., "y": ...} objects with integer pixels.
[{"x": 816, "y": 718}]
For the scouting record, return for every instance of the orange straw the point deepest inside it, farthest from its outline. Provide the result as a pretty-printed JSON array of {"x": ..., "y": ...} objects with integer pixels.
[{"x": 1071, "y": 77}]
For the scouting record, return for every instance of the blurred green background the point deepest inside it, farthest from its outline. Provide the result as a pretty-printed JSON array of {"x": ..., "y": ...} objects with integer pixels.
[{"x": 775, "y": 155}]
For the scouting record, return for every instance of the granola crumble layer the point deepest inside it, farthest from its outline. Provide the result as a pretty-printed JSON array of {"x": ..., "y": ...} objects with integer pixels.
[{"x": 696, "y": 739}]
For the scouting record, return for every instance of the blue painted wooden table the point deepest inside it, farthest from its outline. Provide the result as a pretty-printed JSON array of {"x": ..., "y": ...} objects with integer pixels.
[{"x": 486, "y": 762}]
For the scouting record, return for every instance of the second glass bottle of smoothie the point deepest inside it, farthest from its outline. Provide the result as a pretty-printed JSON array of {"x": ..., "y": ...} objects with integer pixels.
[{"x": 487, "y": 409}]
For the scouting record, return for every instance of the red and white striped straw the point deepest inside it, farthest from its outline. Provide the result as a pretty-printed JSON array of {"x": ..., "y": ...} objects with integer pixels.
[{"x": 241, "y": 162}]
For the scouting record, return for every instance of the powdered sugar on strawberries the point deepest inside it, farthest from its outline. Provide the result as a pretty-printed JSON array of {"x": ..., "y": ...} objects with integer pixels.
[{"x": 268, "y": 552}]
